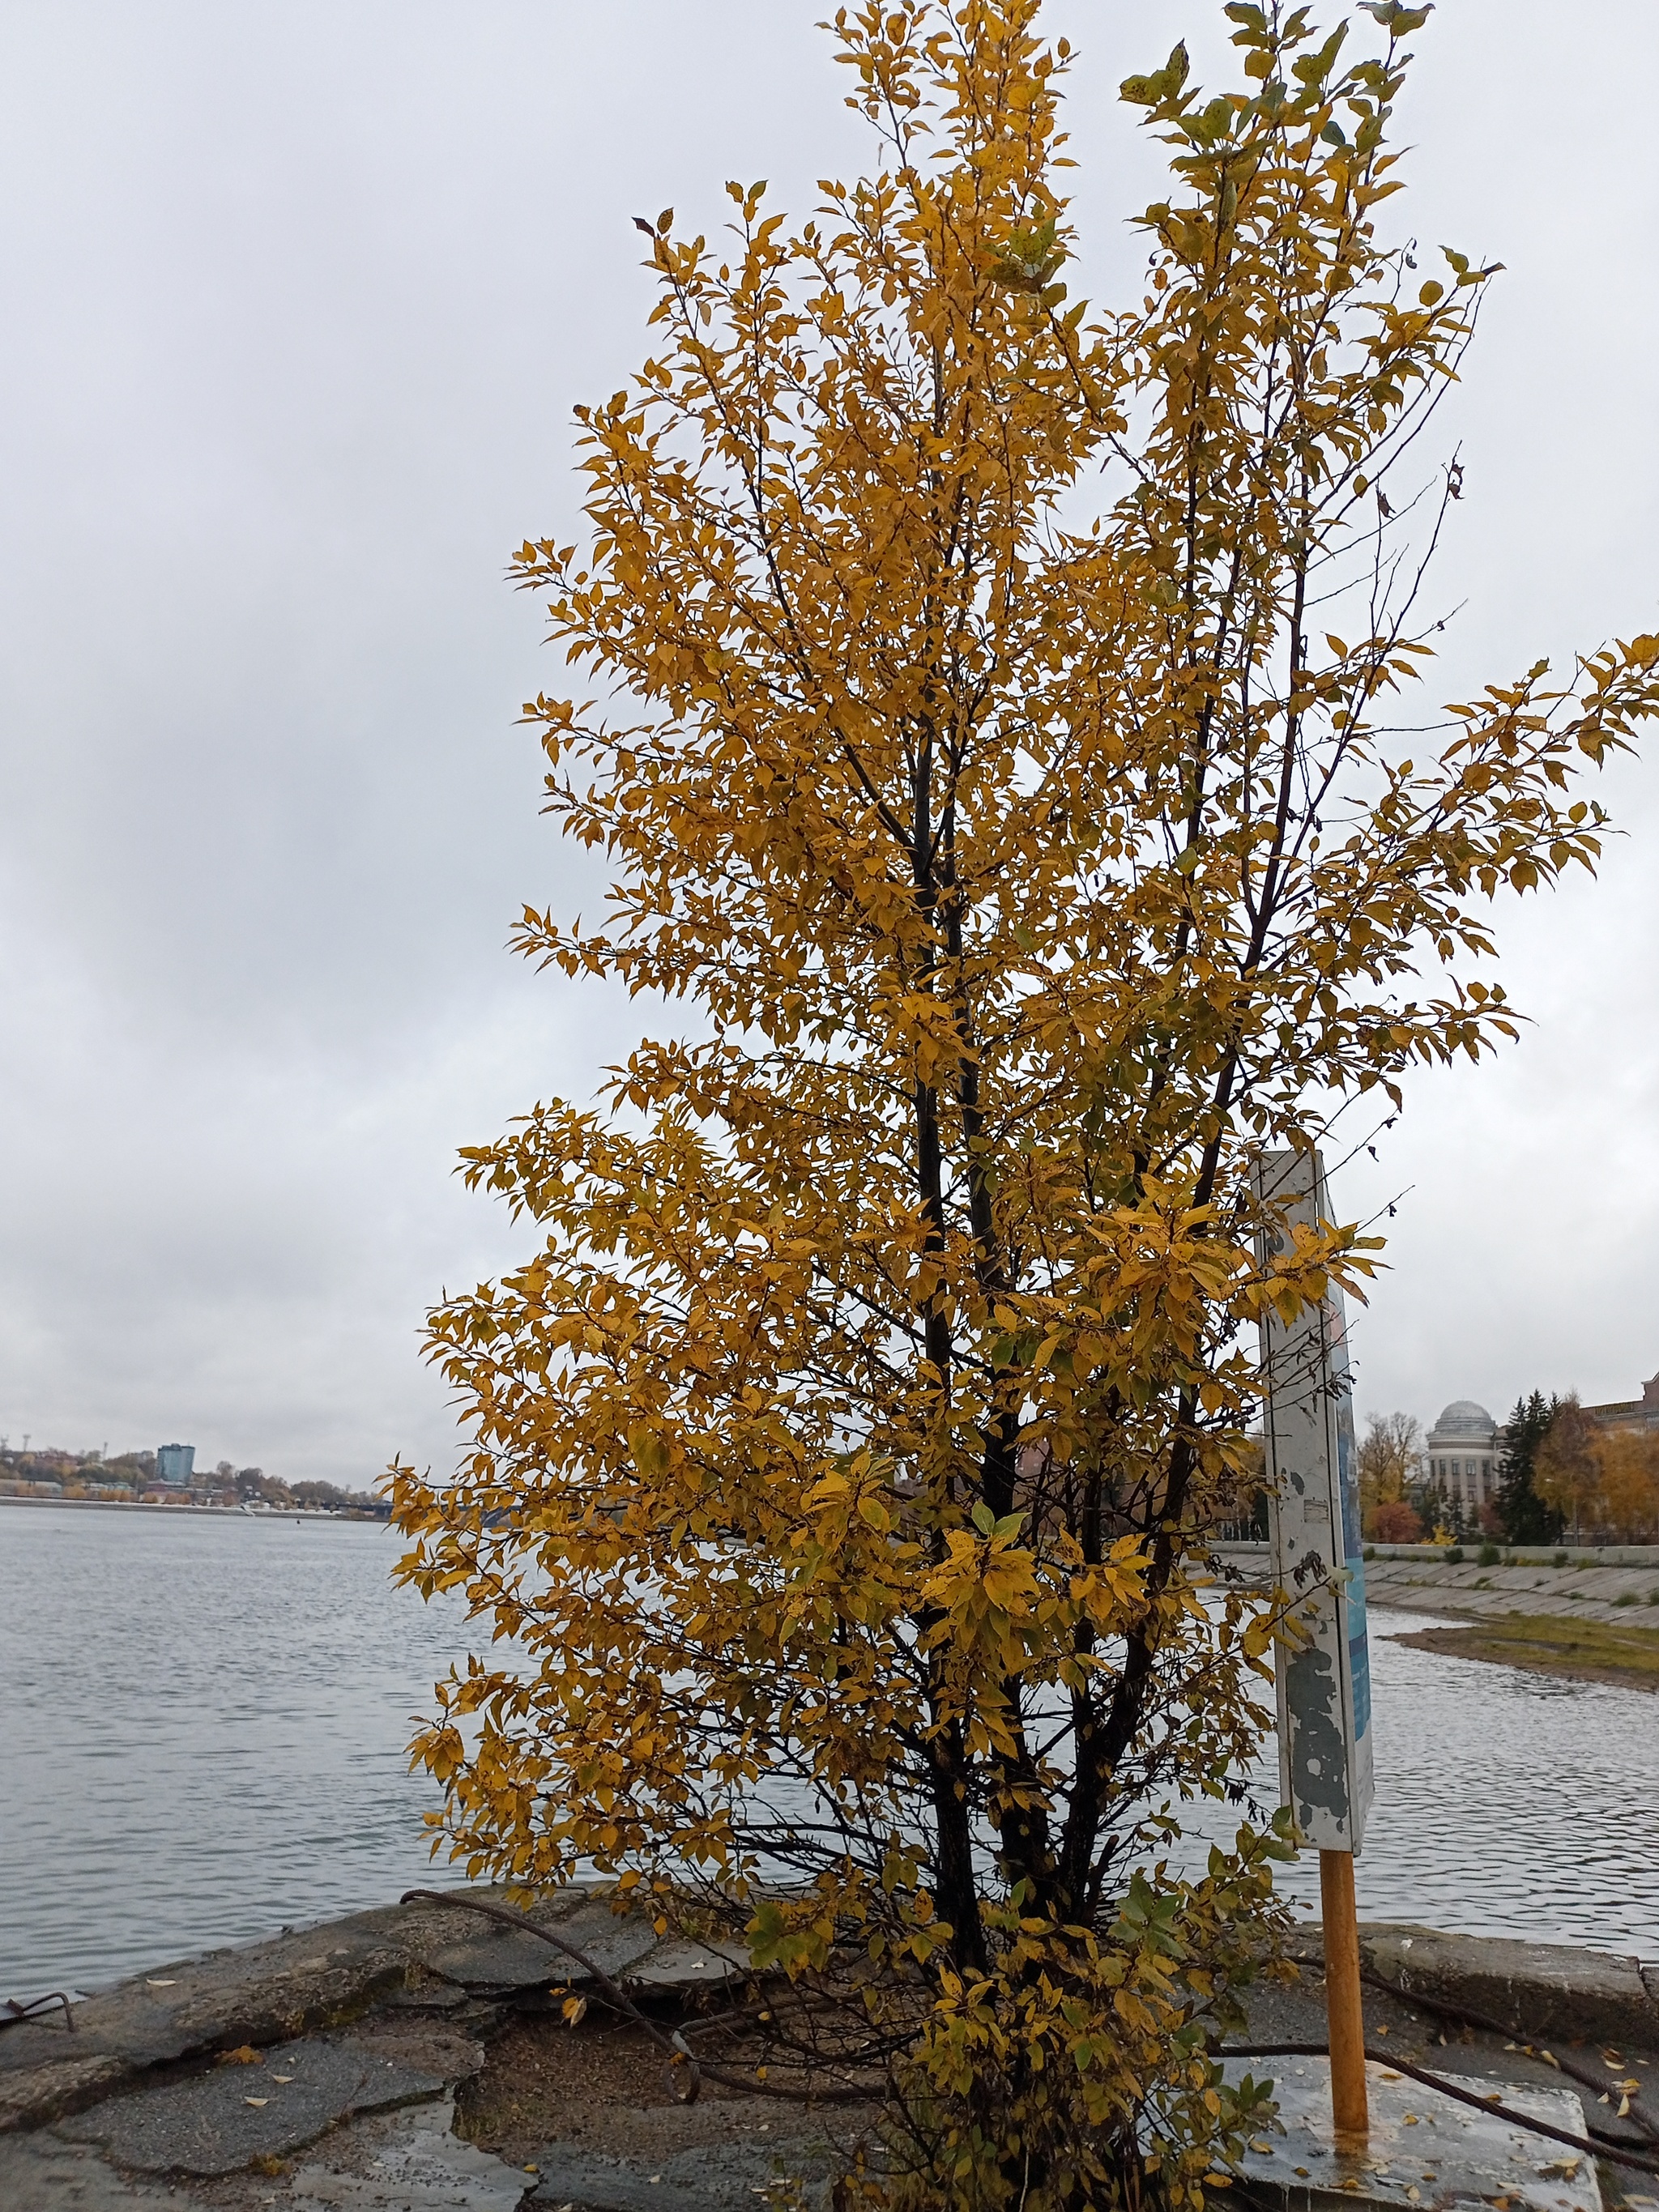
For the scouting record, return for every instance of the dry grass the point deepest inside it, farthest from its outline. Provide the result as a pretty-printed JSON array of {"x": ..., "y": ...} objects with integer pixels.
[{"x": 1553, "y": 1643}]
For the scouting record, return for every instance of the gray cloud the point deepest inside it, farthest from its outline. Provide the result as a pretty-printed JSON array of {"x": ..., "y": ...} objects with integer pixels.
[{"x": 298, "y": 300}]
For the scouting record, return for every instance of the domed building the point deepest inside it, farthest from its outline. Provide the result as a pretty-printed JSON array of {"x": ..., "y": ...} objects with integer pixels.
[{"x": 1461, "y": 1455}]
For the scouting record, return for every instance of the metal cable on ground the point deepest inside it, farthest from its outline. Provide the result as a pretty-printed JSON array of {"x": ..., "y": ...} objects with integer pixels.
[
  {"x": 684, "y": 2067},
  {"x": 1471, "y": 2018},
  {"x": 1641, "y": 2161}
]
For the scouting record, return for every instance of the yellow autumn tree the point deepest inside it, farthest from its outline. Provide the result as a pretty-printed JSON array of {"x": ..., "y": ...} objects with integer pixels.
[
  {"x": 995, "y": 712},
  {"x": 1389, "y": 1456},
  {"x": 1627, "y": 1463},
  {"x": 1567, "y": 1471}
]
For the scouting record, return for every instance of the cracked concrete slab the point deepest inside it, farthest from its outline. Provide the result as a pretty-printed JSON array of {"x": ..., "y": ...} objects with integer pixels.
[
  {"x": 218, "y": 2121},
  {"x": 1541, "y": 1989},
  {"x": 293, "y": 1984},
  {"x": 39, "y": 2173},
  {"x": 258, "y": 1993},
  {"x": 484, "y": 1956},
  {"x": 687, "y": 1965},
  {"x": 435, "y": 1977},
  {"x": 421, "y": 2166},
  {"x": 730, "y": 2177},
  {"x": 30, "y": 2095},
  {"x": 424, "y": 1956},
  {"x": 1425, "y": 2153}
]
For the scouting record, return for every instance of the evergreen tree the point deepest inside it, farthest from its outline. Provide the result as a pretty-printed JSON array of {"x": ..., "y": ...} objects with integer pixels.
[{"x": 1526, "y": 1518}]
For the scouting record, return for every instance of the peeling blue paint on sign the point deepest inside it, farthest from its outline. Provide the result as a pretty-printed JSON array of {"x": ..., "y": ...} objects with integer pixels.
[{"x": 1313, "y": 1480}]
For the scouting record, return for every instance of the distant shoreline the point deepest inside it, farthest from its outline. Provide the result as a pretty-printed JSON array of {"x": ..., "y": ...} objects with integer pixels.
[{"x": 217, "y": 1512}]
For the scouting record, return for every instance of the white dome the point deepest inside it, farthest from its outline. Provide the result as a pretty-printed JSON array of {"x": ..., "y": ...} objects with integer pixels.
[{"x": 1463, "y": 1417}]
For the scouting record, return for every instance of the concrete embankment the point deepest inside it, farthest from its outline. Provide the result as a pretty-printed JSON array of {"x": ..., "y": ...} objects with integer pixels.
[
  {"x": 418, "y": 2057},
  {"x": 1620, "y": 1596},
  {"x": 1626, "y": 1594}
]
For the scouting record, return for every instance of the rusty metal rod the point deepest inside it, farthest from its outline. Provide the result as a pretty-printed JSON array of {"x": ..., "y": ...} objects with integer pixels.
[
  {"x": 15, "y": 2010},
  {"x": 1344, "y": 2009}
]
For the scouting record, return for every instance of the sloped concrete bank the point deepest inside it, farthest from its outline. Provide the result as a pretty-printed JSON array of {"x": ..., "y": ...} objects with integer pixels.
[
  {"x": 1620, "y": 1588},
  {"x": 327, "y": 2068}
]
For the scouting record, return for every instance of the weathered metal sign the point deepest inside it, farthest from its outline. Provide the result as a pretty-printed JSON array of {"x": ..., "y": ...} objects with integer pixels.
[{"x": 1313, "y": 1482}]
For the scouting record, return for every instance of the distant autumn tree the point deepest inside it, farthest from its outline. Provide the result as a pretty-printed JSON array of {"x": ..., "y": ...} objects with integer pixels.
[
  {"x": 1567, "y": 1467},
  {"x": 1389, "y": 1455},
  {"x": 1395, "y": 1521},
  {"x": 1003, "y": 763},
  {"x": 1627, "y": 1463}
]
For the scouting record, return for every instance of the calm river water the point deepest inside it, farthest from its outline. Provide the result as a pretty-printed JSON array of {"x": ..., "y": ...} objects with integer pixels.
[{"x": 203, "y": 1723}]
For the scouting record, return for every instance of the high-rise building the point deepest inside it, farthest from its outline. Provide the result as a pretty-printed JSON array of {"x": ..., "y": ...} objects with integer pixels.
[{"x": 175, "y": 1464}]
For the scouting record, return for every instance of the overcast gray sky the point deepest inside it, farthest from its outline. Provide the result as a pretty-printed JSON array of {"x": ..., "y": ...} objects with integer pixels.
[{"x": 297, "y": 301}]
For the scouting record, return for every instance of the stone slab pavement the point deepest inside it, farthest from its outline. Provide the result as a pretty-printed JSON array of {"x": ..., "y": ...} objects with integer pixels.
[
  {"x": 705, "y": 2177},
  {"x": 419, "y": 2164},
  {"x": 42, "y": 2173},
  {"x": 1423, "y": 2150},
  {"x": 220, "y": 2121},
  {"x": 324, "y": 1978},
  {"x": 337, "y": 2024},
  {"x": 410, "y": 2161},
  {"x": 350, "y": 2039}
]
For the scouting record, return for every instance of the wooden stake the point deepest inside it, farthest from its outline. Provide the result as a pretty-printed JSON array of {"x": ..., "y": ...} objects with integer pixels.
[{"x": 1344, "y": 2010}]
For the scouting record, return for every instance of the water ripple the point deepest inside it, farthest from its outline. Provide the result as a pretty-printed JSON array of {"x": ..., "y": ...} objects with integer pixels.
[{"x": 204, "y": 1725}]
